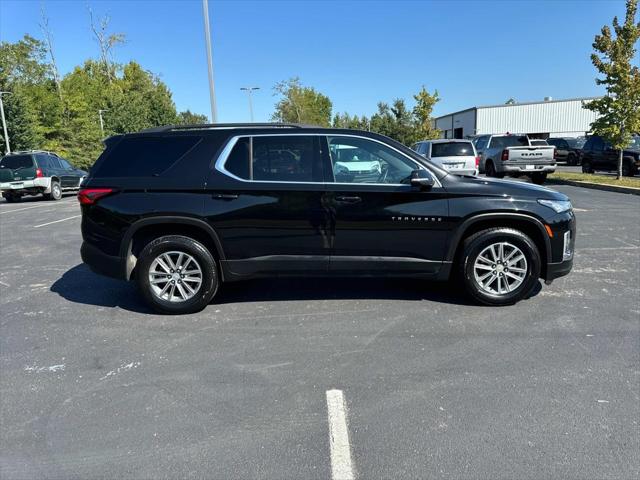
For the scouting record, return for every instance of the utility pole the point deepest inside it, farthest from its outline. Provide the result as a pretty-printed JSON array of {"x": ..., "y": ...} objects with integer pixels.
[
  {"x": 249, "y": 91},
  {"x": 207, "y": 37},
  {"x": 102, "y": 121},
  {"x": 4, "y": 122}
]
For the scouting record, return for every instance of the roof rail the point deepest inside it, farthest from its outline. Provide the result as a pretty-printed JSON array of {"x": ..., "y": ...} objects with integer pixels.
[
  {"x": 213, "y": 126},
  {"x": 22, "y": 152}
]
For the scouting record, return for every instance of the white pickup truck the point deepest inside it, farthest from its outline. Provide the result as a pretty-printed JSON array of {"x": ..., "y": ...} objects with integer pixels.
[{"x": 514, "y": 155}]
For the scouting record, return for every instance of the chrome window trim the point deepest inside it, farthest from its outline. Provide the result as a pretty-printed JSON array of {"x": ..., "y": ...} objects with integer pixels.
[{"x": 226, "y": 151}]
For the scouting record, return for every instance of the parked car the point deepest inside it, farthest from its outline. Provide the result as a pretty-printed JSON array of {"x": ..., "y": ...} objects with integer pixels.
[
  {"x": 597, "y": 154},
  {"x": 36, "y": 172},
  {"x": 568, "y": 149},
  {"x": 514, "y": 155},
  {"x": 183, "y": 209},
  {"x": 455, "y": 156}
]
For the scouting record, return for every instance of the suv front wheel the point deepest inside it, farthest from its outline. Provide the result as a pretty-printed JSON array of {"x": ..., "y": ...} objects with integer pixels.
[
  {"x": 177, "y": 275},
  {"x": 499, "y": 266}
]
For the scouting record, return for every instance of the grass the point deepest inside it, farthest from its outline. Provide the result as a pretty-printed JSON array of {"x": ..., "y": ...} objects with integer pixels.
[{"x": 601, "y": 179}]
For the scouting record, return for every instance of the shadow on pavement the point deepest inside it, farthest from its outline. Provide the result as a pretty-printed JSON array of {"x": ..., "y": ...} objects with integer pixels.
[{"x": 80, "y": 285}]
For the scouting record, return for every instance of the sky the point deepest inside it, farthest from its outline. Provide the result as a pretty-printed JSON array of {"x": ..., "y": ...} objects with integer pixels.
[{"x": 356, "y": 52}]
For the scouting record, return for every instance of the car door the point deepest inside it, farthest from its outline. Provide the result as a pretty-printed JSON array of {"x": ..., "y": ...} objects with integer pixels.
[
  {"x": 268, "y": 213},
  {"x": 70, "y": 176},
  {"x": 381, "y": 224}
]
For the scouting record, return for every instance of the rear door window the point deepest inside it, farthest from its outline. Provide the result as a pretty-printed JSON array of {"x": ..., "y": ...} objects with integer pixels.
[
  {"x": 453, "y": 149},
  {"x": 16, "y": 161},
  {"x": 145, "y": 156},
  {"x": 277, "y": 158}
]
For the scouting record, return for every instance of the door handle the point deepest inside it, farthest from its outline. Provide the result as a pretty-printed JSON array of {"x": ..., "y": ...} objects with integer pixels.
[
  {"x": 346, "y": 199},
  {"x": 225, "y": 196}
]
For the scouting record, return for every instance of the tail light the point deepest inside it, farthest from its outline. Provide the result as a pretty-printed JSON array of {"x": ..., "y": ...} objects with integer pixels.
[
  {"x": 555, "y": 153},
  {"x": 477, "y": 162},
  {"x": 39, "y": 173},
  {"x": 89, "y": 196},
  {"x": 505, "y": 155}
]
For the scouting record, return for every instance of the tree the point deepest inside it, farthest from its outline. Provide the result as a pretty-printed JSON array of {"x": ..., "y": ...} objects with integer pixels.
[
  {"x": 300, "y": 104},
  {"x": 422, "y": 111},
  {"x": 344, "y": 120},
  {"x": 189, "y": 118},
  {"x": 619, "y": 109},
  {"x": 21, "y": 123}
]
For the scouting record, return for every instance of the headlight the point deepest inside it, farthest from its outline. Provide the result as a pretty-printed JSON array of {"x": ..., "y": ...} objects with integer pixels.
[{"x": 558, "y": 206}]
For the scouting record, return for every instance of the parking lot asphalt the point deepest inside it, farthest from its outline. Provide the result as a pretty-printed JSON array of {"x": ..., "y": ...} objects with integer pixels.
[{"x": 93, "y": 385}]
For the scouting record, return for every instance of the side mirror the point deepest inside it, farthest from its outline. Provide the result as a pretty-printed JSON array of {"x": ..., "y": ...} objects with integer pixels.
[{"x": 421, "y": 179}]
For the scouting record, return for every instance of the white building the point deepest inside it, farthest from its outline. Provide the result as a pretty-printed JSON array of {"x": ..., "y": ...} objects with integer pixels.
[{"x": 551, "y": 118}]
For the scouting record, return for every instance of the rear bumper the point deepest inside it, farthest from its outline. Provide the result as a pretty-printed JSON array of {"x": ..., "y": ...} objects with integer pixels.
[
  {"x": 43, "y": 183},
  {"x": 101, "y": 263},
  {"x": 522, "y": 169}
]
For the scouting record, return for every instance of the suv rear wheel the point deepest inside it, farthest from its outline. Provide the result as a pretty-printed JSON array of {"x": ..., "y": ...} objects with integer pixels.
[
  {"x": 11, "y": 197},
  {"x": 177, "y": 275},
  {"x": 538, "y": 178},
  {"x": 491, "y": 170},
  {"x": 56, "y": 191},
  {"x": 499, "y": 266}
]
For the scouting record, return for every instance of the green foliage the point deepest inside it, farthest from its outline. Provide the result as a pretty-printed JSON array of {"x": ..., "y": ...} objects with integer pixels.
[
  {"x": 422, "y": 111},
  {"x": 619, "y": 110},
  {"x": 300, "y": 104},
  {"x": 189, "y": 118},
  {"x": 67, "y": 122},
  {"x": 344, "y": 120}
]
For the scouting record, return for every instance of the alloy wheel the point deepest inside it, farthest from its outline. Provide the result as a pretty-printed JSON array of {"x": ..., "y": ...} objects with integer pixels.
[
  {"x": 500, "y": 268},
  {"x": 175, "y": 276}
]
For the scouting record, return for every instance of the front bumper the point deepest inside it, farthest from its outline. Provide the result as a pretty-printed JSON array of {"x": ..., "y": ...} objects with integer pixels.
[
  {"x": 557, "y": 270},
  {"x": 522, "y": 168}
]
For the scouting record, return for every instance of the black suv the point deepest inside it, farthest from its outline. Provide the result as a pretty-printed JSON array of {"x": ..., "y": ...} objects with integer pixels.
[
  {"x": 568, "y": 149},
  {"x": 183, "y": 209},
  {"x": 597, "y": 154}
]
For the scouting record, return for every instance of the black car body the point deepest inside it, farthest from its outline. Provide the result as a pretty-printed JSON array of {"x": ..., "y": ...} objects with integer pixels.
[
  {"x": 568, "y": 149},
  {"x": 598, "y": 154},
  {"x": 268, "y": 200},
  {"x": 37, "y": 172}
]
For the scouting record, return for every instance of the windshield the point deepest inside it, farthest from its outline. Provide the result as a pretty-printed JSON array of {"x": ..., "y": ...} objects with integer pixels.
[
  {"x": 452, "y": 149},
  {"x": 16, "y": 161},
  {"x": 635, "y": 143},
  {"x": 576, "y": 142}
]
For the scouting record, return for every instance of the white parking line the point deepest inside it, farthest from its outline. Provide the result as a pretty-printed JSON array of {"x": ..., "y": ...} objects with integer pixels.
[
  {"x": 56, "y": 221},
  {"x": 341, "y": 464},
  {"x": 36, "y": 206}
]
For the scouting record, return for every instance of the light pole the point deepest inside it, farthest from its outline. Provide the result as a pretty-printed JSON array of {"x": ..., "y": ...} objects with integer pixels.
[
  {"x": 102, "y": 121},
  {"x": 4, "y": 122},
  {"x": 249, "y": 91},
  {"x": 207, "y": 37}
]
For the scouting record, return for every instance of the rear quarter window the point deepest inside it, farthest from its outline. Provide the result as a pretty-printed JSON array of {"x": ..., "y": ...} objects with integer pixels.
[
  {"x": 144, "y": 156},
  {"x": 16, "y": 161}
]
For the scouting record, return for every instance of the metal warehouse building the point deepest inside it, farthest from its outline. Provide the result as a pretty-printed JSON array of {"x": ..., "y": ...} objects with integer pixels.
[{"x": 550, "y": 118}]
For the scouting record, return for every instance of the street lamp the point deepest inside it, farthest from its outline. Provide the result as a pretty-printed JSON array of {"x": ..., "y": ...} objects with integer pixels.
[
  {"x": 207, "y": 38},
  {"x": 249, "y": 91},
  {"x": 4, "y": 122},
  {"x": 102, "y": 121}
]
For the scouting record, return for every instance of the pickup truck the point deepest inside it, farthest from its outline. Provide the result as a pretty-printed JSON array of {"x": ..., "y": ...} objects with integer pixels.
[
  {"x": 514, "y": 155},
  {"x": 37, "y": 172}
]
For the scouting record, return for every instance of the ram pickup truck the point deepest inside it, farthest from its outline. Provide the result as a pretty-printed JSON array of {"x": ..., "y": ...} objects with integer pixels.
[{"x": 514, "y": 155}]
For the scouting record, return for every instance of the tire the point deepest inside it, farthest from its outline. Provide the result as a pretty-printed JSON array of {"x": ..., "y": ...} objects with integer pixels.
[
  {"x": 628, "y": 169},
  {"x": 586, "y": 167},
  {"x": 175, "y": 302},
  {"x": 538, "y": 178},
  {"x": 11, "y": 198},
  {"x": 491, "y": 170},
  {"x": 56, "y": 191},
  {"x": 572, "y": 159},
  {"x": 471, "y": 269}
]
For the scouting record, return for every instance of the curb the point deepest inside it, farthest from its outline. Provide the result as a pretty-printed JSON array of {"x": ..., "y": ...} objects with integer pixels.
[{"x": 596, "y": 186}]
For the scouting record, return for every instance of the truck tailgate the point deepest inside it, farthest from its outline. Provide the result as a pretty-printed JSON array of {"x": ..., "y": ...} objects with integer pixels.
[{"x": 531, "y": 155}]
